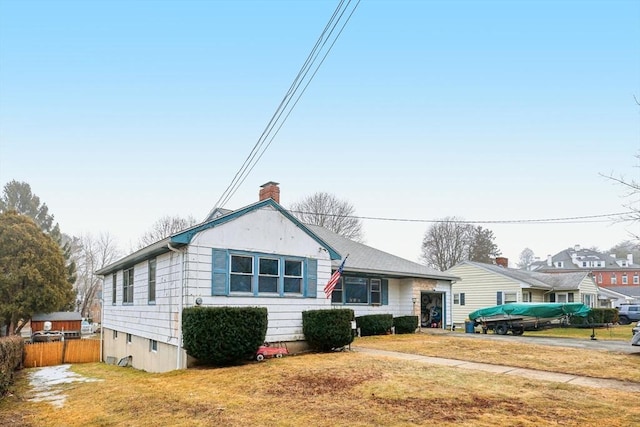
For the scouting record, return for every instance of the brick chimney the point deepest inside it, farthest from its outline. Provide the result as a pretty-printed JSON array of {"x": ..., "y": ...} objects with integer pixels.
[
  {"x": 270, "y": 190},
  {"x": 502, "y": 262}
]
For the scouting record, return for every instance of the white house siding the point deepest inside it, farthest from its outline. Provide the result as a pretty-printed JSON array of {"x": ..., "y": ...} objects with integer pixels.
[
  {"x": 480, "y": 287},
  {"x": 588, "y": 287}
]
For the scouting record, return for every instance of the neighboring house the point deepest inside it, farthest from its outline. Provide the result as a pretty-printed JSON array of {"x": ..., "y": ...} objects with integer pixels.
[
  {"x": 608, "y": 298},
  {"x": 608, "y": 271},
  {"x": 259, "y": 255},
  {"x": 69, "y": 322},
  {"x": 486, "y": 285}
]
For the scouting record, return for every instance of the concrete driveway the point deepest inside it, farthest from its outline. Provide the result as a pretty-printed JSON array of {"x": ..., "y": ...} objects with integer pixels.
[{"x": 597, "y": 344}]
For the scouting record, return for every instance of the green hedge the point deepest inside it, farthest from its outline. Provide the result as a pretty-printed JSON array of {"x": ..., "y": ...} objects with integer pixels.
[
  {"x": 326, "y": 330},
  {"x": 374, "y": 324},
  {"x": 597, "y": 316},
  {"x": 405, "y": 324},
  {"x": 11, "y": 354},
  {"x": 223, "y": 335}
]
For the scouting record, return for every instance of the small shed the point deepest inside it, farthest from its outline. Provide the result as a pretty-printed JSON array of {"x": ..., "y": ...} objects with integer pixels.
[{"x": 68, "y": 321}]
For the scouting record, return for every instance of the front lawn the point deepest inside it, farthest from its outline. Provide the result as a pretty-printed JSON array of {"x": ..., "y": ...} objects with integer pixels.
[{"x": 337, "y": 389}]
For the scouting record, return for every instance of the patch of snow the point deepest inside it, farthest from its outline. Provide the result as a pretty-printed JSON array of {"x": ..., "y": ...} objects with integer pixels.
[{"x": 46, "y": 381}]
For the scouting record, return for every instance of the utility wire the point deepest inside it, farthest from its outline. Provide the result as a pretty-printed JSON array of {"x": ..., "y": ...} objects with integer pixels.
[
  {"x": 565, "y": 220},
  {"x": 275, "y": 123}
]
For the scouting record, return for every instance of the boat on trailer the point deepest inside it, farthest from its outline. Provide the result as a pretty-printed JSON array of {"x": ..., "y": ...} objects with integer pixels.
[{"x": 520, "y": 317}]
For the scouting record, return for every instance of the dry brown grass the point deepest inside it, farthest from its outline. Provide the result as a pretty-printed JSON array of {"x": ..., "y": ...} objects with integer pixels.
[
  {"x": 336, "y": 389},
  {"x": 591, "y": 363}
]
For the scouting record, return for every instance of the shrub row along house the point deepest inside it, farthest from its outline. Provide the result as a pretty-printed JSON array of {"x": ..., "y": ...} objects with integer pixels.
[{"x": 259, "y": 255}]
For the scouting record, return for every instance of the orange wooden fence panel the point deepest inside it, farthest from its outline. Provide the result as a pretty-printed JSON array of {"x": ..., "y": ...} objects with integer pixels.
[
  {"x": 82, "y": 351},
  {"x": 57, "y": 353},
  {"x": 43, "y": 354}
]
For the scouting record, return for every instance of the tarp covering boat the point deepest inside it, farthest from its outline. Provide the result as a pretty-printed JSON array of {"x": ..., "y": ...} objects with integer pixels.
[{"x": 538, "y": 310}]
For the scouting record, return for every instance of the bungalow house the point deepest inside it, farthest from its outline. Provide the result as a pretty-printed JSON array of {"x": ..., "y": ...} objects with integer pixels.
[
  {"x": 486, "y": 285},
  {"x": 259, "y": 255}
]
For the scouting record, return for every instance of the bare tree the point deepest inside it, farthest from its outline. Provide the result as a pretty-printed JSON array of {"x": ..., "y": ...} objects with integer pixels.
[
  {"x": 327, "y": 211},
  {"x": 164, "y": 227},
  {"x": 527, "y": 257},
  {"x": 632, "y": 193},
  {"x": 451, "y": 240},
  {"x": 445, "y": 243},
  {"x": 92, "y": 253}
]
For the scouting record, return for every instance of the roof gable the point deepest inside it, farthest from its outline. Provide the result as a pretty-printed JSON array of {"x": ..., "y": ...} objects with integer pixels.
[{"x": 184, "y": 237}]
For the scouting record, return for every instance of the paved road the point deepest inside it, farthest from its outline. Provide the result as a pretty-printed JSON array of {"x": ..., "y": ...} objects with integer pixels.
[{"x": 597, "y": 344}]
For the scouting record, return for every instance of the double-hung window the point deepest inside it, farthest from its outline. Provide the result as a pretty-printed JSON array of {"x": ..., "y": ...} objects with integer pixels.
[
  {"x": 268, "y": 275},
  {"x": 356, "y": 290},
  {"x": 152, "y": 280},
  {"x": 292, "y": 276},
  {"x": 127, "y": 286},
  {"x": 114, "y": 278},
  {"x": 241, "y": 273}
]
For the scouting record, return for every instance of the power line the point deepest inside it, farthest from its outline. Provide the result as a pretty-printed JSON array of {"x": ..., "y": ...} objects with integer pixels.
[
  {"x": 560, "y": 220},
  {"x": 279, "y": 117}
]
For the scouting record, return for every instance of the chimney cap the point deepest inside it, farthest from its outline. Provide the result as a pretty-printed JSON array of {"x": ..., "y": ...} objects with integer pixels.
[{"x": 270, "y": 183}]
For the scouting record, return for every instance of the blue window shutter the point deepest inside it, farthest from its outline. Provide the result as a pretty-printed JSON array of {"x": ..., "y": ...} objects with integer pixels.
[
  {"x": 385, "y": 292},
  {"x": 219, "y": 272},
  {"x": 462, "y": 298},
  {"x": 552, "y": 297},
  {"x": 499, "y": 298},
  {"x": 311, "y": 279}
]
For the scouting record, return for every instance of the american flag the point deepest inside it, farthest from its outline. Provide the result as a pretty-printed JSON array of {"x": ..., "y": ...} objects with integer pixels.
[{"x": 331, "y": 284}]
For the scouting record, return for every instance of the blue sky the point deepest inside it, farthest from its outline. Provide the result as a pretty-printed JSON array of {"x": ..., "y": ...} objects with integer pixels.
[{"x": 120, "y": 112}]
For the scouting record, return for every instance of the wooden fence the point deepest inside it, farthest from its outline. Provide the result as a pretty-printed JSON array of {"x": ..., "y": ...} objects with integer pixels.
[{"x": 58, "y": 353}]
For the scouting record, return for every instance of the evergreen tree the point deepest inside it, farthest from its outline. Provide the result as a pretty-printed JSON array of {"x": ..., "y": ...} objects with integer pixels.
[{"x": 33, "y": 277}]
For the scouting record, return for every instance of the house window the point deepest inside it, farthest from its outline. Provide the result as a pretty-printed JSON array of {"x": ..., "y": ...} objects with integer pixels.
[
  {"x": 459, "y": 298},
  {"x": 560, "y": 264},
  {"x": 127, "y": 286},
  {"x": 129, "y": 338},
  {"x": 268, "y": 275},
  {"x": 526, "y": 296},
  {"x": 114, "y": 279},
  {"x": 600, "y": 278},
  {"x": 614, "y": 279},
  {"x": 115, "y": 334},
  {"x": 152, "y": 280},
  {"x": 356, "y": 290},
  {"x": 153, "y": 346},
  {"x": 292, "y": 277},
  {"x": 584, "y": 263},
  {"x": 510, "y": 297},
  {"x": 636, "y": 279},
  {"x": 336, "y": 295},
  {"x": 241, "y": 273},
  {"x": 563, "y": 297},
  {"x": 376, "y": 288},
  {"x": 587, "y": 299},
  {"x": 625, "y": 279},
  {"x": 254, "y": 274}
]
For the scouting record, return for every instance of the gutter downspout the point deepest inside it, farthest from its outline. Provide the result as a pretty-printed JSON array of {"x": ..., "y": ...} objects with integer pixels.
[{"x": 180, "y": 305}]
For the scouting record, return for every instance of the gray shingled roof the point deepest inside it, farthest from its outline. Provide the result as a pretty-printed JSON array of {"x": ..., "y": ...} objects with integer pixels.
[
  {"x": 557, "y": 281},
  {"x": 632, "y": 291},
  {"x": 365, "y": 259},
  {"x": 57, "y": 316}
]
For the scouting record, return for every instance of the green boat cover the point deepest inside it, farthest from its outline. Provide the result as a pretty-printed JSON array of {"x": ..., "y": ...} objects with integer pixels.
[{"x": 540, "y": 310}]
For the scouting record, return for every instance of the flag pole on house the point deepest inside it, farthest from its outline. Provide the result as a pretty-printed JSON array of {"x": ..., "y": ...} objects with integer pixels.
[{"x": 333, "y": 281}]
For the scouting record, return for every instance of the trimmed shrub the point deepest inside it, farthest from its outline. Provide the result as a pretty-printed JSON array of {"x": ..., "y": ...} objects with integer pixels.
[
  {"x": 597, "y": 316},
  {"x": 326, "y": 330},
  {"x": 11, "y": 354},
  {"x": 223, "y": 335},
  {"x": 405, "y": 324},
  {"x": 374, "y": 324}
]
